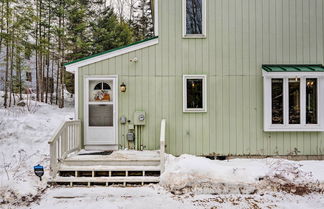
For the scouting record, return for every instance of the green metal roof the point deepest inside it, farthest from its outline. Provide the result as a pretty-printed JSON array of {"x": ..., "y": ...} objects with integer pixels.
[
  {"x": 111, "y": 50},
  {"x": 293, "y": 68}
]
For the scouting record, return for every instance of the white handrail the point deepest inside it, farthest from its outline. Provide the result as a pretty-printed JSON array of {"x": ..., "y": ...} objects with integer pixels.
[
  {"x": 67, "y": 139},
  {"x": 162, "y": 145}
]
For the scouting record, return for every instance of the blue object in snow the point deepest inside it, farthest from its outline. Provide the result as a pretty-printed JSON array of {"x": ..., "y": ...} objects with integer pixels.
[{"x": 39, "y": 171}]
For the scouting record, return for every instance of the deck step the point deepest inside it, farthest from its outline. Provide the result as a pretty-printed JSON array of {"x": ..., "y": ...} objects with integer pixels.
[
  {"x": 118, "y": 168},
  {"x": 106, "y": 181},
  {"x": 109, "y": 168},
  {"x": 148, "y": 162}
]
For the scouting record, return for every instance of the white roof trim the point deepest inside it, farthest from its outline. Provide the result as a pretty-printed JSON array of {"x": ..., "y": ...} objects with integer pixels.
[
  {"x": 74, "y": 66},
  {"x": 292, "y": 74}
]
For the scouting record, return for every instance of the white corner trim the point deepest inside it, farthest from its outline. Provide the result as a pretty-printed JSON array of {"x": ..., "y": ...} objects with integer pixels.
[
  {"x": 184, "y": 93},
  {"x": 204, "y": 21},
  {"x": 74, "y": 67},
  {"x": 76, "y": 95},
  {"x": 156, "y": 18}
]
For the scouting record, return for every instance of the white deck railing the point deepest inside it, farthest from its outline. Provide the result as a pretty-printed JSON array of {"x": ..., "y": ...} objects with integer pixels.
[
  {"x": 66, "y": 140},
  {"x": 162, "y": 145}
]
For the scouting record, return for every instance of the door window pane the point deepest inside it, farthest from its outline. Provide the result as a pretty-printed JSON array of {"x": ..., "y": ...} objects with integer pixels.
[
  {"x": 194, "y": 93},
  {"x": 101, "y": 115},
  {"x": 294, "y": 100},
  {"x": 277, "y": 101},
  {"x": 311, "y": 101},
  {"x": 194, "y": 16}
]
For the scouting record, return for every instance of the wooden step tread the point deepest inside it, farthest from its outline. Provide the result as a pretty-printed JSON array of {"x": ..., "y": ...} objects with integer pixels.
[
  {"x": 109, "y": 160},
  {"x": 109, "y": 168},
  {"x": 59, "y": 179},
  {"x": 81, "y": 163},
  {"x": 119, "y": 156}
]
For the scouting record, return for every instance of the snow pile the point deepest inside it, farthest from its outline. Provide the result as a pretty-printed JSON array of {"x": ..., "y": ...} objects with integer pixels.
[
  {"x": 23, "y": 144},
  {"x": 188, "y": 173},
  {"x": 289, "y": 177}
]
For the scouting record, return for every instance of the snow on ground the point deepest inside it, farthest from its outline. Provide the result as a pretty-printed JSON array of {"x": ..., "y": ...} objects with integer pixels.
[
  {"x": 189, "y": 173},
  {"x": 23, "y": 144},
  {"x": 155, "y": 196},
  {"x": 188, "y": 182}
]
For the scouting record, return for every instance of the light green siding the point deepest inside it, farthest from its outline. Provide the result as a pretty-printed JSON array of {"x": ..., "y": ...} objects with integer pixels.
[{"x": 241, "y": 36}]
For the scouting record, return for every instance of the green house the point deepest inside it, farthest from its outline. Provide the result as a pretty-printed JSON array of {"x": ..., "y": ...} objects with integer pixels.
[{"x": 230, "y": 77}]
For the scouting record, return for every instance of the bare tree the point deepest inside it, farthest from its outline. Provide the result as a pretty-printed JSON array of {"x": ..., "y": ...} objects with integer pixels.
[
  {"x": 2, "y": 22},
  {"x": 131, "y": 5},
  {"x": 120, "y": 7}
]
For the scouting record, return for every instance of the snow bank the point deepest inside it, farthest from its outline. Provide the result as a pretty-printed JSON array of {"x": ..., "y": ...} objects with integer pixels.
[
  {"x": 23, "y": 144},
  {"x": 189, "y": 173}
]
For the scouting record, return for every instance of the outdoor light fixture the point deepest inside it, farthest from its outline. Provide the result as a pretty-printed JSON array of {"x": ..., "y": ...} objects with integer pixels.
[
  {"x": 39, "y": 171},
  {"x": 135, "y": 59},
  {"x": 123, "y": 87}
]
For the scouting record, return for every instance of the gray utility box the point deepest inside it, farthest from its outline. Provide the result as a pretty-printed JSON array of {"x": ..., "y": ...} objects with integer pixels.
[
  {"x": 130, "y": 136},
  {"x": 139, "y": 118}
]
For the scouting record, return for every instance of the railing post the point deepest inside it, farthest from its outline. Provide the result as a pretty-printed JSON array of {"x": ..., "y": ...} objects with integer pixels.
[
  {"x": 162, "y": 146},
  {"x": 52, "y": 159},
  {"x": 64, "y": 141},
  {"x": 79, "y": 135}
]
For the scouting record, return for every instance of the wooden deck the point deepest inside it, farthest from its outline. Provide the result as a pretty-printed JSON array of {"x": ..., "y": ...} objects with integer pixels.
[
  {"x": 71, "y": 166},
  {"x": 118, "y": 156}
]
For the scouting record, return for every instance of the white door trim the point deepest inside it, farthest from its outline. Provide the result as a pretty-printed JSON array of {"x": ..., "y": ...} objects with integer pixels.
[{"x": 86, "y": 110}]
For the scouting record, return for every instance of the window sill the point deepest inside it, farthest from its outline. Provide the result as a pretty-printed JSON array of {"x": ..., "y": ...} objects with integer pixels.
[
  {"x": 295, "y": 128},
  {"x": 195, "y": 111},
  {"x": 194, "y": 36}
]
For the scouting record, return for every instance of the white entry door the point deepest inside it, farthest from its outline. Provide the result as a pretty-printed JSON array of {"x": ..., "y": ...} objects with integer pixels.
[{"x": 100, "y": 111}]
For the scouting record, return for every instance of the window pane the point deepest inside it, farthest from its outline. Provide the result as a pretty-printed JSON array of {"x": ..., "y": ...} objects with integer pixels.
[
  {"x": 311, "y": 101},
  {"x": 194, "y": 93},
  {"x": 194, "y": 16},
  {"x": 101, "y": 115},
  {"x": 105, "y": 86},
  {"x": 277, "y": 101},
  {"x": 98, "y": 86},
  {"x": 294, "y": 101}
]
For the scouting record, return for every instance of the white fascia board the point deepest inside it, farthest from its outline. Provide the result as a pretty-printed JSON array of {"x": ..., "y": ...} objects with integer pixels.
[
  {"x": 74, "y": 67},
  {"x": 291, "y": 74}
]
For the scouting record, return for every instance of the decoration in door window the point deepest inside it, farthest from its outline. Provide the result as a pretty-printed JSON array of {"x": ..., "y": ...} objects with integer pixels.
[{"x": 100, "y": 91}]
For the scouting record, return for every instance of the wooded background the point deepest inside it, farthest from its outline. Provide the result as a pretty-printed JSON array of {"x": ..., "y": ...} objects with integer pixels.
[{"x": 53, "y": 32}]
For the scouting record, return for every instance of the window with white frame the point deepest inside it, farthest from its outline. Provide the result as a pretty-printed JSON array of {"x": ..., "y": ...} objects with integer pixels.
[
  {"x": 194, "y": 93},
  {"x": 194, "y": 18},
  {"x": 292, "y": 101}
]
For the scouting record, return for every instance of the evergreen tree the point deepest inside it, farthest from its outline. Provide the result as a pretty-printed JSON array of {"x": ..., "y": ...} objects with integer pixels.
[
  {"x": 78, "y": 32},
  {"x": 108, "y": 32}
]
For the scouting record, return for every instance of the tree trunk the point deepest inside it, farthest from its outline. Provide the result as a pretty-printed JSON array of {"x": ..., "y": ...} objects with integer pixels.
[
  {"x": 52, "y": 85},
  {"x": 19, "y": 77},
  {"x": 11, "y": 66},
  {"x": 36, "y": 54},
  {"x": 48, "y": 49},
  {"x": 41, "y": 67},
  {"x": 7, "y": 57},
  {"x": 2, "y": 24},
  {"x": 62, "y": 59},
  {"x": 57, "y": 82}
]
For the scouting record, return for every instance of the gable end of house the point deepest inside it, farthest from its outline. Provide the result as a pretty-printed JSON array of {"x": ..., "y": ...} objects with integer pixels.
[{"x": 74, "y": 65}]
